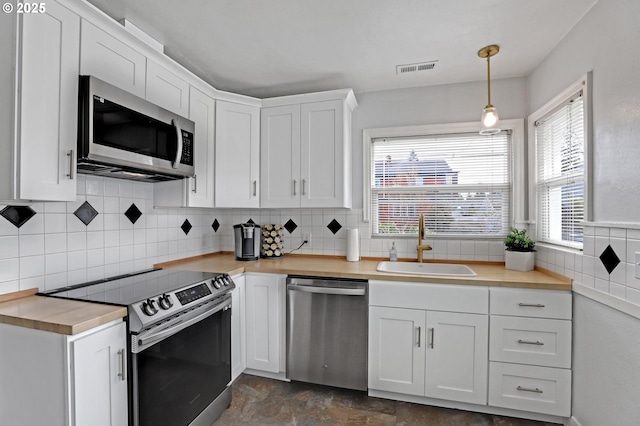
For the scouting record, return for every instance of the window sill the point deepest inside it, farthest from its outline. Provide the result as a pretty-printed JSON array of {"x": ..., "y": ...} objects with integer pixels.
[{"x": 559, "y": 248}]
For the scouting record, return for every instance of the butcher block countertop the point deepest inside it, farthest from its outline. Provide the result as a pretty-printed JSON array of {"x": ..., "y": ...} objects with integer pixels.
[
  {"x": 61, "y": 316},
  {"x": 488, "y": 274}
]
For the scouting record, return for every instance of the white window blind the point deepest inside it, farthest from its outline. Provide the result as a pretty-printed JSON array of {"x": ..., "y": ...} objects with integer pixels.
[
  {"x": 559, "y": 138},
  {"x": 460, "y": 182}
]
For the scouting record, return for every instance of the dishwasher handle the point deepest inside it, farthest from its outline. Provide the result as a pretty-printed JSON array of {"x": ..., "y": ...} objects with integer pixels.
[{"x": 327, "y": 290}]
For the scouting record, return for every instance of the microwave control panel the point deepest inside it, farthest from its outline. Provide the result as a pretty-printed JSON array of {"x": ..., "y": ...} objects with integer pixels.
[{"x": 187, "y": 148}]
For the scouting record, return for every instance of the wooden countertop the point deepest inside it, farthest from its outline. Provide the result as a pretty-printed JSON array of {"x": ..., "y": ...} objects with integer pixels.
[
  {"x": 488, "y": 274},
  {"x": 56, "y": 315}
]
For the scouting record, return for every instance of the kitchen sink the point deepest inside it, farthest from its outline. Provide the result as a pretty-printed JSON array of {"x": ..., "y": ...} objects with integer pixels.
[{"x": 448, "y": 269}]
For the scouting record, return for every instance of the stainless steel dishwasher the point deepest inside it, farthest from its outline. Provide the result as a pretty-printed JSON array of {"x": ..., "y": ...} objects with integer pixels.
[{"x": 327, "y": 331}]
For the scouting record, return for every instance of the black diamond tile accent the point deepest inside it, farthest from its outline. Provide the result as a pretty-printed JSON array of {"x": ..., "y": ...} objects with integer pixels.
[
  {"x": 215, "y": 225},
  {"x": 17, "y": 215},
  {"x": 186, "y": 226},
  {"x": 290, "y": 226},
  {"x": 609, "y": 259},
  {"x": 86, "y": 213},
  {"x": 133, "y": 213},
  {"x": 334, "y": 226},
  {"x": 250, "y": 221}
]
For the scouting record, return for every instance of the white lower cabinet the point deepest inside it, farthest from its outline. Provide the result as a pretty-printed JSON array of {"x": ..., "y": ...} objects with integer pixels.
[
  {"x": 530, "y": 350},
  {"x": 428, "y": 353},
  {"x": 468, "y": 346},
  {"x": 82, "y": 379},
  {"x": 98, "y": 377},
  {"x": 238, "y": 327},
  {"x": 265, "y": 302}
]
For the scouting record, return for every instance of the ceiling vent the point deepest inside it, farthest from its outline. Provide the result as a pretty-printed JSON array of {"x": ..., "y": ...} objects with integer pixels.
[{"x": 422, "y": 66}]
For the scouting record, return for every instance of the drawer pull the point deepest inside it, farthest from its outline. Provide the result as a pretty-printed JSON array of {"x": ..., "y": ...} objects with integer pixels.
[
  {"x": 536, "y": 390},
  {"x": 531, "y": 305},
  {"x": 529, "y": 342}
]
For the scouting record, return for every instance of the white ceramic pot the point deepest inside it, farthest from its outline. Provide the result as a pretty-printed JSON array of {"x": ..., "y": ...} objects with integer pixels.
[{"x": 519, "y": 260}]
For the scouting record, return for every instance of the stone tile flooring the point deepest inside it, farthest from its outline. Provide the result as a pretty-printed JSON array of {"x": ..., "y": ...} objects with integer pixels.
[{"x": 262, "y": 402}]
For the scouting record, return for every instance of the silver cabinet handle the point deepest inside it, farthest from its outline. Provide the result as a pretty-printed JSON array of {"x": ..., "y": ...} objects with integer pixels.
[
  {"x": 536, "y": 390},
  {"x": 432, "y": 331},
  {"x": 123, "y": 367},
  {"x": 294, "y": 186},
  {"x": 72, "y": 170},
  {"x": 255, "y": 188},
  {"x": 531, "y": 305},
  {"x": 304, "y": 186},
  {"x": 176, "y": 163},
  {"x": 419, "y": 335},
  {"x": 195, "y": 183},
  {"x": 528, "y": 342}
]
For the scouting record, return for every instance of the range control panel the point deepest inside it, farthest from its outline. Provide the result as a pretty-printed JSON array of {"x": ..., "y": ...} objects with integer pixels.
[{"x": 192, "y": 294}]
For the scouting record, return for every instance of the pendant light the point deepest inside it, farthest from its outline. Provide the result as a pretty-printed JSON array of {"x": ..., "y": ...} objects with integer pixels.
[{"x": 490, "y": 122}]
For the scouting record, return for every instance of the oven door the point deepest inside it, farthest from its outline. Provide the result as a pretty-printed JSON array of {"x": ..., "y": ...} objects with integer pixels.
[{"x": 178, "y": 371}]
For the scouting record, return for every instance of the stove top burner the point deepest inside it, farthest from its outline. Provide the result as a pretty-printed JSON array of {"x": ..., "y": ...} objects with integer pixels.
[{"x": 151, "y": 296}]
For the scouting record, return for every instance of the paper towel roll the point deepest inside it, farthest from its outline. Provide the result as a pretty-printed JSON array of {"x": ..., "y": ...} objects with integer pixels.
[{"x": 353, "y": 245}]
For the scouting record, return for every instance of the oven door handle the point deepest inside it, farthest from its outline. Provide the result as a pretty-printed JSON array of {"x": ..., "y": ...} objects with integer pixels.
[{"x": 151, "y": 339}]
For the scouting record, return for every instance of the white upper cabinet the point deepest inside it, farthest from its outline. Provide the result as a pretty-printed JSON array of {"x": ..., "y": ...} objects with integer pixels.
[
  {"x": 202, "y": 111},
  {"x": 167, "y": 90},
  {"x": 111, "y": 60},
  {"x": 280, "y": 156},
  {"x": 325, "y": 155},
  {"x": 41, "y": 140},
  {"x": 237, "y": 164},
  {"x": 306, "y": 150}
]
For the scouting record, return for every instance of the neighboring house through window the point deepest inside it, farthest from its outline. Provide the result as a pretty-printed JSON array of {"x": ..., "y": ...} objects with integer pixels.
[{"x": 461, "y": 181}]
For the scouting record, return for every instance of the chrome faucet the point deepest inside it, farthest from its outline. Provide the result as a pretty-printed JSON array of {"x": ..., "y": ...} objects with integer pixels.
[{"x": 421, "y": 247}]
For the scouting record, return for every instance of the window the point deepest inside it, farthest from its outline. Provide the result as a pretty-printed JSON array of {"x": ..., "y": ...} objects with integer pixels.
[
  {"x": 560, "y": 171},
  {"x": 461, "y": 182}
]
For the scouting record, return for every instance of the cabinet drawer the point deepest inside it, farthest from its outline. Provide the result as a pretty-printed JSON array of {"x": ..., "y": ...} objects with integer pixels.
[
  {"x": 544, "y": 342},
  {"x": 431, "y": 297},
  {"x": 529, "y": 388},
  {"x": 530, "y": 303}
]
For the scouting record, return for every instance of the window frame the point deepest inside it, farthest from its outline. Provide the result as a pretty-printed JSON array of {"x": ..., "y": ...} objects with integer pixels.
[
  {"x": 519, "y": 174},
  {"x": 584, "y": 83}
]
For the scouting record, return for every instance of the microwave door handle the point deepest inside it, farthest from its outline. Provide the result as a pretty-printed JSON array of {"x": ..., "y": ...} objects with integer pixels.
[{"x": 175, "y": 124}]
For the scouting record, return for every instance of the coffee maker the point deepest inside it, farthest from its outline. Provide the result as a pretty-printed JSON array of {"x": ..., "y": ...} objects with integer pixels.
[{"x": 247, "y": 241}]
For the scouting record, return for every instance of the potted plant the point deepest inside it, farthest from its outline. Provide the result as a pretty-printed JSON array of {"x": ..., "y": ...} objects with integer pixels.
[{"x": 520, "y": 251}]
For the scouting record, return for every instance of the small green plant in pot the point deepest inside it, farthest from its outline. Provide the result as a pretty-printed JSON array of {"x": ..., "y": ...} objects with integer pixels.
[{"x": 520, "y": 251}]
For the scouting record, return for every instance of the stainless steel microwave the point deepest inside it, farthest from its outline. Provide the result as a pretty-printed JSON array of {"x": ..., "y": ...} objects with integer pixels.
[{"x": 123, "y": 136}]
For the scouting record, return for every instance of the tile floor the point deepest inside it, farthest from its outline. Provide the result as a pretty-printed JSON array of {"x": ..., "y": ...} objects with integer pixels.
[{"x": 263, "y": 402}]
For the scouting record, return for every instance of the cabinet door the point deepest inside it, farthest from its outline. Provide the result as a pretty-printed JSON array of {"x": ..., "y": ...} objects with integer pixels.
[
  {"x": 263, "y": 322},
  {"x": 396, "y": 350},
  {"x": 166, "y": 89},
  {"x": 322, "y": 154},
  {"x": 238, "y": 342},
  {"x": 49, "y": 104},
  {"x": 237, "y": 155},
  {"x": 111, "y": 60},
  {"x": 202, "y": 110},
  {"x": 280, "y": 157},
  {"x": 98, "y": 378},
  {"x": 457, "y": 347}
]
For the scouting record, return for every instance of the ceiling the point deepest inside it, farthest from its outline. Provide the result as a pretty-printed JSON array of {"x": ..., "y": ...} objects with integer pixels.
[{"x": 266, "y": 48}]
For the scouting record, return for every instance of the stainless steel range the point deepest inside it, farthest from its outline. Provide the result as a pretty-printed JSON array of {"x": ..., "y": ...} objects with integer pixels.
[{"x": 180, "y": 342}]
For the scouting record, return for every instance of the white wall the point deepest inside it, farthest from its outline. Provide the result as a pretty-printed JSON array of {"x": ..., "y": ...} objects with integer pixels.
[
  {"x": 606, "y": 350},
  {"x": 606, "y": 365},
  {"x": 607, "y": 41}
]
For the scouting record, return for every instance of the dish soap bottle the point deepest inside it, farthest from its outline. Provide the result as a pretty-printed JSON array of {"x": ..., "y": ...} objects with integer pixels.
[{"x": 393, "y": 253}]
